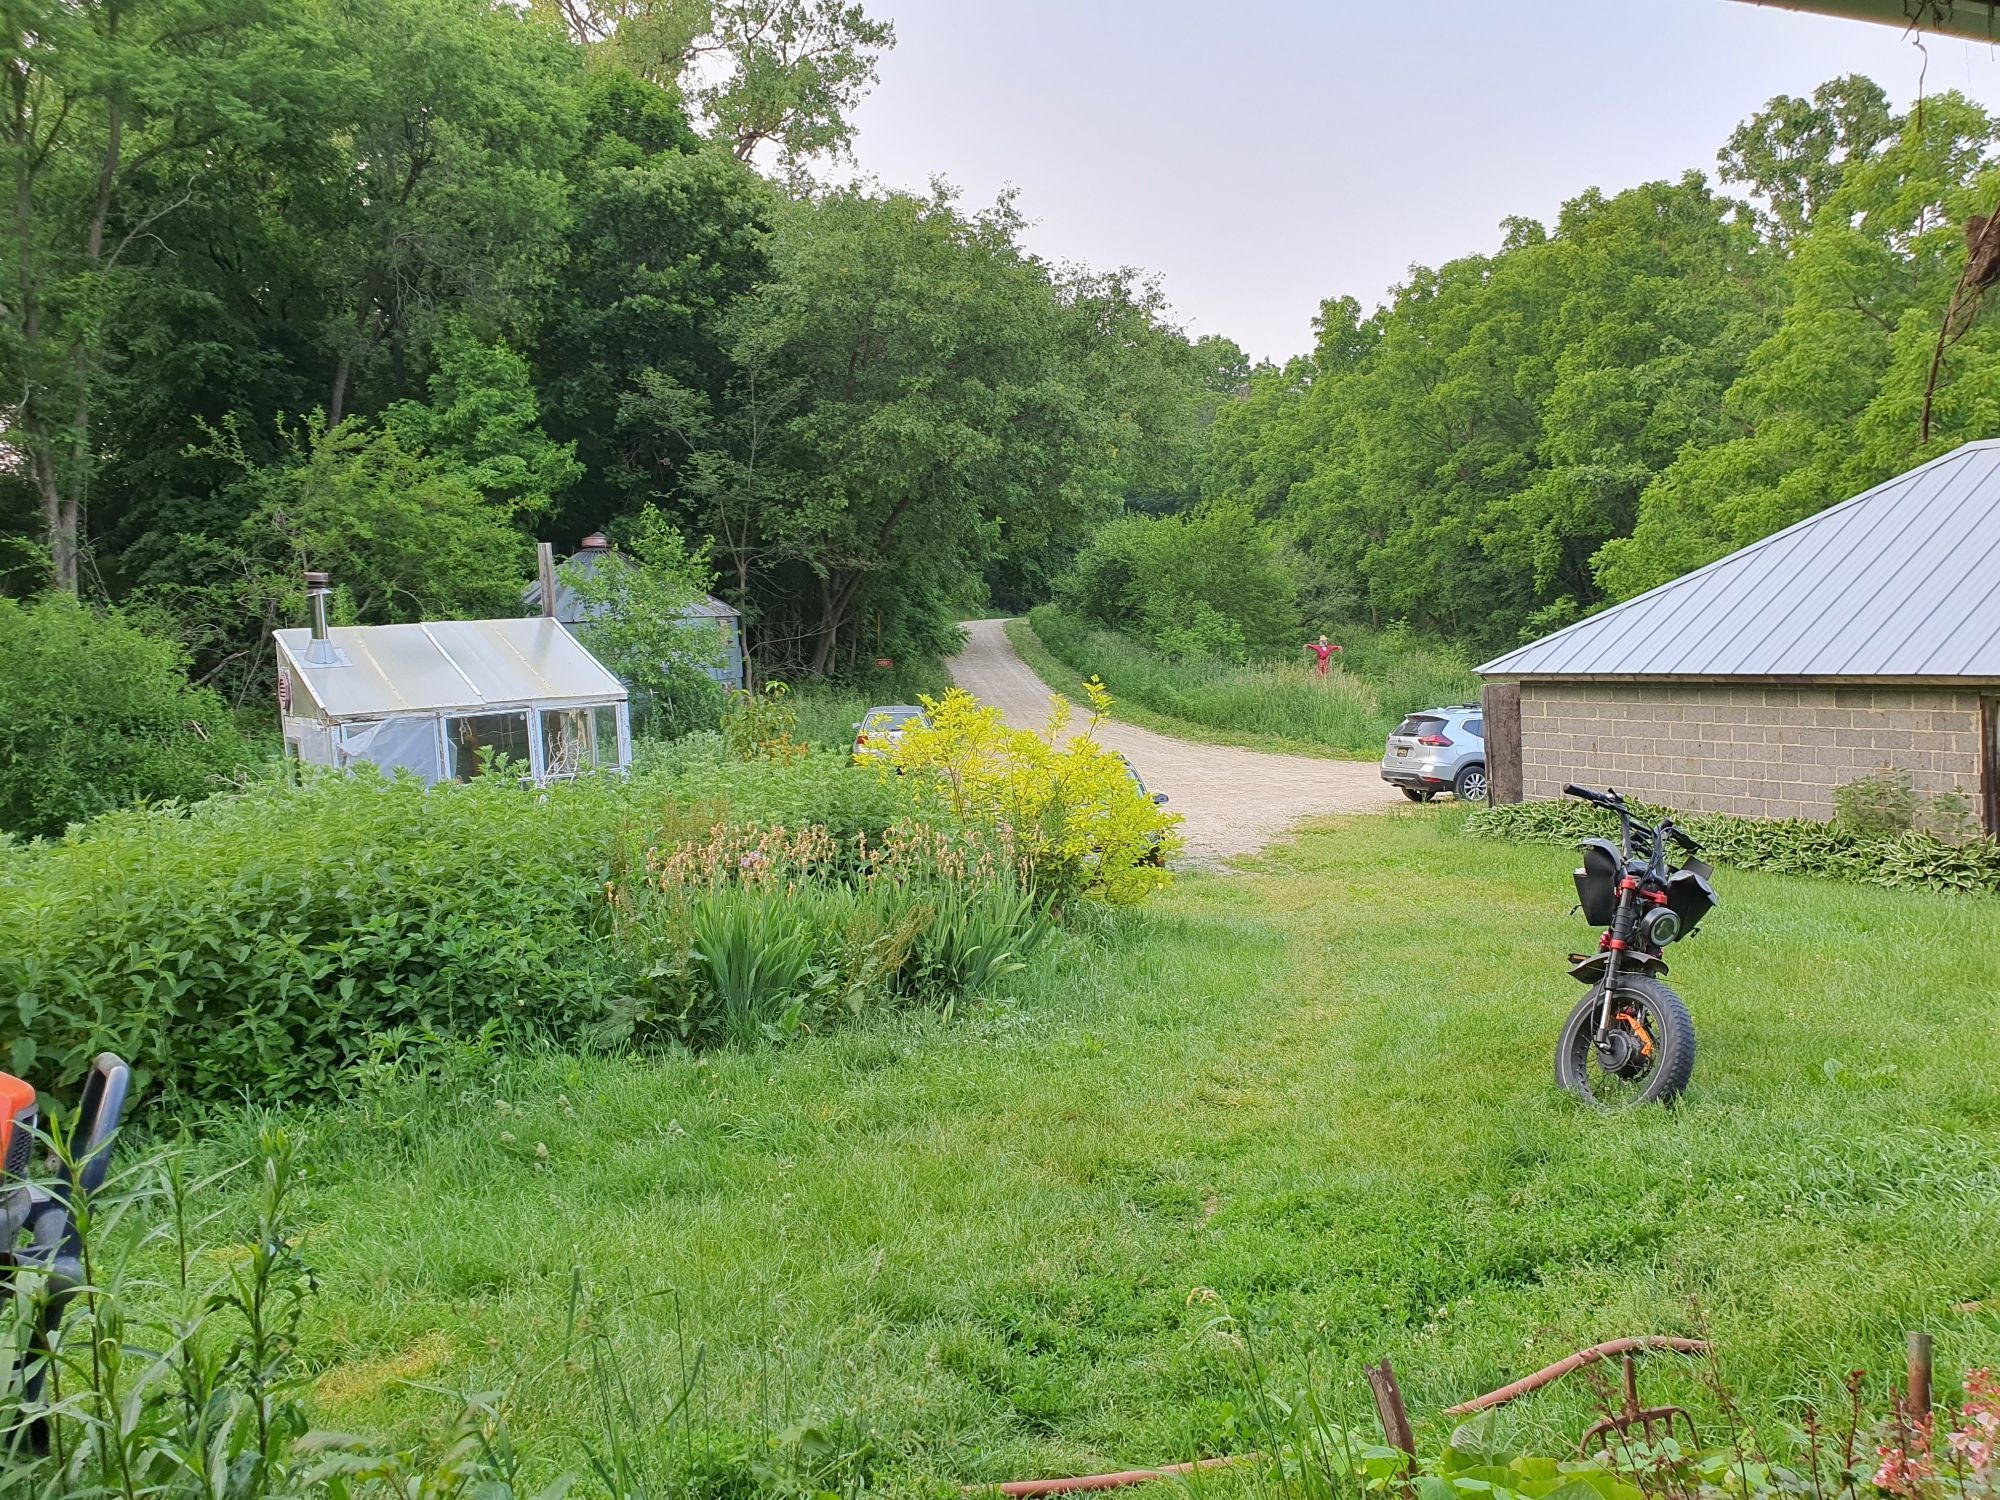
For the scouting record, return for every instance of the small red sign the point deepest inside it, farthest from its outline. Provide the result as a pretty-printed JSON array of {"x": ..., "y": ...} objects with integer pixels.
[{"x": 284, "y": 690}]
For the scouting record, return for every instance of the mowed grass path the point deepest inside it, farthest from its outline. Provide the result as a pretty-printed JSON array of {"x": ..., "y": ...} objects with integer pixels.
[{"x": 1316, "y": 1095}]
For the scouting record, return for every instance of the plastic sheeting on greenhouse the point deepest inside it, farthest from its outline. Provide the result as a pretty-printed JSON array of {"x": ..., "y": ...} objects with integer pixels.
[{"x": 449, "y": 699}]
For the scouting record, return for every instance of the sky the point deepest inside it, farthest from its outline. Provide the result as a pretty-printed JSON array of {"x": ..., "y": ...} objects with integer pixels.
[{"x": 1263, "y": 155}]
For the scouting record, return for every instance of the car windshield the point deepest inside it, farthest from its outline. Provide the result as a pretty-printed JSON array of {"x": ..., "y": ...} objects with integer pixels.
[{"x": 881, "y": 719}]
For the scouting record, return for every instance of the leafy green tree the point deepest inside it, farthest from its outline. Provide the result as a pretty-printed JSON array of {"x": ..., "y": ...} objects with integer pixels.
[
  {"x": 1832, "y": 401},
  {"x": 95, "y": 714},
  {"x": 633, "y": 362},
  {"x": 407, "y": 536},
  {"x": 929, "y": 408},
  {"x": 1792, "y": 152},
  {"x": 783, "y": 72},
  {"x": 638, "y": 600},
  {"x": 483, "y": 417},
  {"x": 1457, "y": 458},
  {"x": 446, "y": 181},
  {"x": 116, "y": 110}
]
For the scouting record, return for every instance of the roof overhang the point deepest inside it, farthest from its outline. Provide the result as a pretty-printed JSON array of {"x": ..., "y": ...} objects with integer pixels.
[
  {"x": 1977, "y": 20},
  {"x": 1983, "y": 685}
]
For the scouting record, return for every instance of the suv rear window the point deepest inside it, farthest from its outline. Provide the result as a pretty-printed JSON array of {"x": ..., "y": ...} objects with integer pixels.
[{"x": 1420, "y": 724}]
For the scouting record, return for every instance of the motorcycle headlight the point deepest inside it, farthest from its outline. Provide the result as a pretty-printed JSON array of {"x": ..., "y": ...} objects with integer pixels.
[{"x": 1660, "y": 926}]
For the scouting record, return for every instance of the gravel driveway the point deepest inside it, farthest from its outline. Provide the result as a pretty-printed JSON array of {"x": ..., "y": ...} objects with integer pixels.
[{"x": 1235, "y": 801}]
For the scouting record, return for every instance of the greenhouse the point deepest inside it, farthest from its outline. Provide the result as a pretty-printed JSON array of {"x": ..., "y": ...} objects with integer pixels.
[{"x": 445, "y": 700}]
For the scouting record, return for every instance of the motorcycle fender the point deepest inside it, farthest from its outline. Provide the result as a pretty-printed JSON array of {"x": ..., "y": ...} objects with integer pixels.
[{"x": 1588, "y": 968}]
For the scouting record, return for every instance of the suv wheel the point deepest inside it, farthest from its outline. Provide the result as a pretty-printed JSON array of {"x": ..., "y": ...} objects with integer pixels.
[
  {"x": 1416, "y": 794},
  {"x": 1471, "y": 784}
]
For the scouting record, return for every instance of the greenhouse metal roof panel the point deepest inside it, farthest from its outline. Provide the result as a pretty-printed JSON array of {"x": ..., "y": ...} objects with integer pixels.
[
  {"x": 1901, "y": 581},
  {"x": 447, "y": 666}
]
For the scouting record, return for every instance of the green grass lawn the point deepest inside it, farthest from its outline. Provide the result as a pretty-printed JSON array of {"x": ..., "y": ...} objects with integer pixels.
[{"x": 1315, "y": 1095}]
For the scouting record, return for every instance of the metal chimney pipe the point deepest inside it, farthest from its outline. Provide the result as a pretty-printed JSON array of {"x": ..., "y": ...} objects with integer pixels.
[
  {"x": 318, "y": 588},
  {"x": 320, "y": 650}
]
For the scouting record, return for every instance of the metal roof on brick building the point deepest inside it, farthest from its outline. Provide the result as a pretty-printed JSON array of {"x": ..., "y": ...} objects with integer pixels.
[{"x": 1902, "y": 581}]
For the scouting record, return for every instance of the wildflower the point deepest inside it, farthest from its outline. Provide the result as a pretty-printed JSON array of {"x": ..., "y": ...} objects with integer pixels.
[
  {"x": 1976, "y": 1441},
  {"x": 506, "y": 1137},
  {"x": 1902, "y": 1472},
  {"x": 541, "y": 1151}
]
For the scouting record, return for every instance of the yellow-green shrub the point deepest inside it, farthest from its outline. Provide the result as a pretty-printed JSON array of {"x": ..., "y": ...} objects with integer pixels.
[{"x": 1080, "y": 824}]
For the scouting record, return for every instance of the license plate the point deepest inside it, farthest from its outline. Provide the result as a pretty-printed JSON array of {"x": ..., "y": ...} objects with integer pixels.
[{"x": 1402, "y": 749}]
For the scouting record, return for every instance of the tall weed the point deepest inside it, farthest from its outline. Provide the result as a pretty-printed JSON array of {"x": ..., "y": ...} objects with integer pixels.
[{"x": 1380, "y": 676}]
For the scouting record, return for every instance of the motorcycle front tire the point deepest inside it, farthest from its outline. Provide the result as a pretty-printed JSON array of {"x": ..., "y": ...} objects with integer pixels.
[{"x": 1575, "y": 1061}]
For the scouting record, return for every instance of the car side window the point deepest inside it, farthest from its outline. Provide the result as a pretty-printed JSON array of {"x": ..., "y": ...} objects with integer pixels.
[{"x": 1476, "y": 728}]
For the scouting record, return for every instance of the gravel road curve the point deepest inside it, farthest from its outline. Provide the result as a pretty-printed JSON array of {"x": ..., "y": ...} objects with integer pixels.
[{"x": 1235, "y": 801}]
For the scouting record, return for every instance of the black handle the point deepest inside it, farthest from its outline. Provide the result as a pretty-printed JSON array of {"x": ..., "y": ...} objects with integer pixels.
[
  {"x": 98, "y": 1114},
  {"x": 1602, "y": 799}
]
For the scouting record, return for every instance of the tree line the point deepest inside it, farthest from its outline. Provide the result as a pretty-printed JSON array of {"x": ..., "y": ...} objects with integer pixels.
[
  {"x": 1663, "y": 375},
  {"x": 395, "y": 288}
]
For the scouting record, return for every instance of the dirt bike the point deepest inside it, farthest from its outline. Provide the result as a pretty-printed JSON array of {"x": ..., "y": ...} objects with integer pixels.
[{"x": 1630, "y": 1040}]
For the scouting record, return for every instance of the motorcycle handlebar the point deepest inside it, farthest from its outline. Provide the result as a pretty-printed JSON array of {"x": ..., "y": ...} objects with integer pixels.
[{"x": 1602, "y": 799}]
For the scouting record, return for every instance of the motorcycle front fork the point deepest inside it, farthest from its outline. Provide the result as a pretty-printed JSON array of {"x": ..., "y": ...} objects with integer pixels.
[{"x": 1621, "y": 934}]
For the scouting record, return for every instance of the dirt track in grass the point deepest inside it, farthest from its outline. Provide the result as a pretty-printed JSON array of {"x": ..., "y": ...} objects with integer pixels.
[{"x": 1234, "y": 801}]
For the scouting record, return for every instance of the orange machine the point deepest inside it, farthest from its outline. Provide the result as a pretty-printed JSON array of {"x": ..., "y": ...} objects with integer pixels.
[{"x": 17, "y": 1129}]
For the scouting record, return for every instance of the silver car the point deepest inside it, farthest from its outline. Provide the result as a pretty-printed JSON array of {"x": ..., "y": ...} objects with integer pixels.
[
  {"x": 1438, "y": 750},
  {"x": 881, "y": 728}
]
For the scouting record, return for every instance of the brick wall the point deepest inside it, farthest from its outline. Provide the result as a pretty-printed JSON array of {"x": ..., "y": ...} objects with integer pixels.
[{"x": 1763, "y": 752}]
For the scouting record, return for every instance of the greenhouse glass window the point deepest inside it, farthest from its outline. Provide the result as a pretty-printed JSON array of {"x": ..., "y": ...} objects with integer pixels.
[
  {"x": 566, "y": 747},
  {"x": 478, "y": 737}
]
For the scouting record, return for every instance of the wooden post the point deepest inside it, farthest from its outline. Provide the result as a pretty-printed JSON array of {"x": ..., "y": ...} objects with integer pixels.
[
  {"x": 1389, "y": 1407},
  {"x": 1500, "y": 707},
  {"x": 545, "y": 569},
  {"x": 1919, "y": 1349}
]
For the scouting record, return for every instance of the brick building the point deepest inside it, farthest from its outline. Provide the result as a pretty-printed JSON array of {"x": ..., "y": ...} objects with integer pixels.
[{"x": 1864, "y": 638}]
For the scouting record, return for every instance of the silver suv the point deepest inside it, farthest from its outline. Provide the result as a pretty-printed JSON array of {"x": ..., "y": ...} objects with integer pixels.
[
  {"x": 1438, "y": 750},
  {"x": 880, "y": 730}
]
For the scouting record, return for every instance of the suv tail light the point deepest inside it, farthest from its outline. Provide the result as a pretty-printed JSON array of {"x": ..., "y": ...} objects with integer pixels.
[{"x": 1432, "y": 739}]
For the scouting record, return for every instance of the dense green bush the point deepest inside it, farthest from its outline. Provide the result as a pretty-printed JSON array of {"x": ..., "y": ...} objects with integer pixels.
[
  {"x": 95, "y": 714},
  {"x": 1379, "y": 677},
  {"x": 1908, "y": 861},
  {"x": 1215, "y": 583},
  {"x": 249, "y": 946}
]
